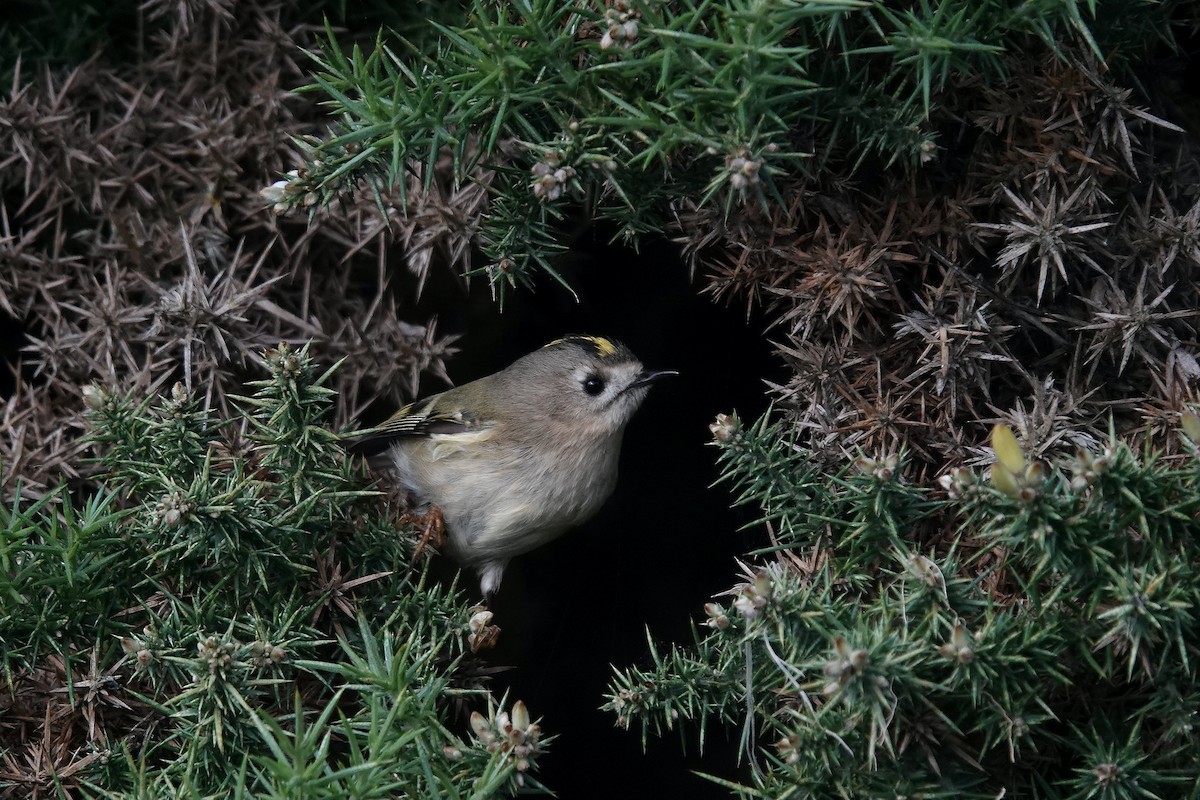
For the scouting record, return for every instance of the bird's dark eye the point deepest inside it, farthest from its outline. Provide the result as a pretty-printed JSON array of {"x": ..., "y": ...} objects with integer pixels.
[{"x": 593, "y": 385}]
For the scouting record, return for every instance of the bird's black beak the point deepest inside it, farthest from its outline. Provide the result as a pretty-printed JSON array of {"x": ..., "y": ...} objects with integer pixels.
[{"x": 649, "y": 376}]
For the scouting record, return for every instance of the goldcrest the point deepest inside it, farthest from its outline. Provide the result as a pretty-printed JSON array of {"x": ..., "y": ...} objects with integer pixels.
[{"x": 513, "y": 460}]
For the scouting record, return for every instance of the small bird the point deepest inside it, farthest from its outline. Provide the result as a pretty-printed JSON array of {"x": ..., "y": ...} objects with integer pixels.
[{"x": 512, "y": 460}]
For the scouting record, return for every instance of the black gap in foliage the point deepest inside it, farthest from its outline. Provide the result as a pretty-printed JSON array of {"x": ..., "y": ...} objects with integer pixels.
[{"x": 663, "y": 544}]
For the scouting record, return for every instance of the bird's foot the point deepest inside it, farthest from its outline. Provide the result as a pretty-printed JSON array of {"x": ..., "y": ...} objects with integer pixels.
[{"x": 433, "y": 530}]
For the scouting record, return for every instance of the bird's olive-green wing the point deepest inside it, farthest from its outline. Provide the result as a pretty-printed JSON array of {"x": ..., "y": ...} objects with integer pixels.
[{"x": 436, "y": 414}]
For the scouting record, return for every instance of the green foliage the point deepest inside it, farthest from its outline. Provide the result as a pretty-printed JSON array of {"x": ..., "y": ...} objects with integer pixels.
[
  {"x": 1028, "y": 636},
  {"x": 625, "y": 107},
  {"x": 56, "y": 566},
  {"x": 237, "y": 615}
]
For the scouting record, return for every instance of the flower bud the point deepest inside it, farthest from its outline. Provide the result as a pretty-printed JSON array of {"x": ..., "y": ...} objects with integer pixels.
[
  {"x": 481, "y": 726},
  {"x": 480, "y": 620},
  {"x": 520, "y": 715},
  {"x": 93, "y": 397},
  {"x": 716, "y": 616},
  {"x": 745, "y": 606},
  {"x": 725, "y": 429}
]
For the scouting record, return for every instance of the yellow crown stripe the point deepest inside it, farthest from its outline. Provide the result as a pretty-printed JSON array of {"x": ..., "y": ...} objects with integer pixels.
[{"x": 604, "y": 347}]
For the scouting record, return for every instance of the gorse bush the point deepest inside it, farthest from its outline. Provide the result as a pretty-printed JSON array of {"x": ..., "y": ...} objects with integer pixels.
[
  {"x": 954, "y": 214},
  {"x": 135, "y": 250},
  {"x": 1031, "y": 635},
  {"x": 630, "y": 108},
  {"x": 951, "y": 214},
  {"x": 238, "y": 615}
]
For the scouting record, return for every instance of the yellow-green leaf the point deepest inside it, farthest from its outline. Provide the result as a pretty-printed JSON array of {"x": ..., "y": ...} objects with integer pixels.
[
  {"x": 1008, "y": 452},
  {"x": 1191, "y": 426}
]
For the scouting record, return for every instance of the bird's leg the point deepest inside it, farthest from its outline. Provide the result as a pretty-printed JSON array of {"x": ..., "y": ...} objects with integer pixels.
[
  {"x": 490, "y": 574},
  {"x": 433, "y": 530}
]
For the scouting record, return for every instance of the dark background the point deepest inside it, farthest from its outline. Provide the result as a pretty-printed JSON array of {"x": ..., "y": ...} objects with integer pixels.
[{"x": 663, "y": 544}]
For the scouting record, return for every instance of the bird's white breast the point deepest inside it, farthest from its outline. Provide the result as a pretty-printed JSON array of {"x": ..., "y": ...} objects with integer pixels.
[{"x": 501, "y": 500}]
